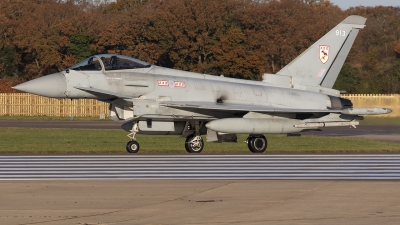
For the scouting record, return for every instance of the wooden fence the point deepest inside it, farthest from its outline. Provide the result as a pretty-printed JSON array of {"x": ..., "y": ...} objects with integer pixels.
[
  {"x": 33, "y": 105},
  {"x": 378, "y": 101}
]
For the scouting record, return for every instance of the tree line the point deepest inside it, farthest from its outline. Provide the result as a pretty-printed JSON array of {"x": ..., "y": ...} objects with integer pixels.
[{"x": 236, "y": 38}]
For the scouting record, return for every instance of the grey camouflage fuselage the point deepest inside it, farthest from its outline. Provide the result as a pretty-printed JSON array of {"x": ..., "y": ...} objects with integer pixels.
[{"x": 157, "y": 100}]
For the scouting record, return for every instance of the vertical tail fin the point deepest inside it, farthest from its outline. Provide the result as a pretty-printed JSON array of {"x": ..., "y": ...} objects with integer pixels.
[{"x": 321, "y": 63}]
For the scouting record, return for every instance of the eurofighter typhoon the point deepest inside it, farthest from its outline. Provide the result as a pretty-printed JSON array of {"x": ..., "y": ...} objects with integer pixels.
[{"x": 163, "y": 101}]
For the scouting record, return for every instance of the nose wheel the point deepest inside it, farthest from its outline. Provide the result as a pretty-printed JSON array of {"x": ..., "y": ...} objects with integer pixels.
[
  {"x": 132, "y": 146},
  {"x": 257, "y": 144},
  {"x": 194, "y": 144}
]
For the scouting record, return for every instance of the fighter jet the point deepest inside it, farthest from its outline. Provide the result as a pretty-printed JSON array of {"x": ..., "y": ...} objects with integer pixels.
[{"x": 163, "y": 101}]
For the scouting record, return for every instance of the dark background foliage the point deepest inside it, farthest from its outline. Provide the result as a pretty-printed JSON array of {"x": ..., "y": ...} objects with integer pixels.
[{"x": 236, "y": 38}]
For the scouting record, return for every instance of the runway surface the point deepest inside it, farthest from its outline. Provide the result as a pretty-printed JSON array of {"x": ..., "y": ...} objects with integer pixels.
[
  {"x": 203, "y": 167},
  {"x": 201, "y": 189}
]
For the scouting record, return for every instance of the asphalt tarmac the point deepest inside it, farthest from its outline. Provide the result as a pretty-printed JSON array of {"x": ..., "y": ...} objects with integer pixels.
[
  {"x": 382, "y": 132},
  {"x": 255, "y": 202},
  {"x": 202, "y": 202}
]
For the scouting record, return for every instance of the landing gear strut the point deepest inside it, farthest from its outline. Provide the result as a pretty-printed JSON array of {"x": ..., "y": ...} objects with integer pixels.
[
  {"x": 194, "y": 144},
  {"x": 133, "y": 146},
  {"x": 257, "y": 144}
]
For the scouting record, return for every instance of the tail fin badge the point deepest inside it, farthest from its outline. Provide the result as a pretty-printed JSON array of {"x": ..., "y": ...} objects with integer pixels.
[{"x": 324, "y": 53}]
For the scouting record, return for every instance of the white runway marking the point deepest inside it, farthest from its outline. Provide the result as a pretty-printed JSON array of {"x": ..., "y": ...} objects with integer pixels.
[{"x": 206, "y": 167}]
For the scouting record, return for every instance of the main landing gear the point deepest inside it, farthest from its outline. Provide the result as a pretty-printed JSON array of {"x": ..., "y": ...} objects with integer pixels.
[
  {"x": 193, "y": 144},
  {"x": 257, "y": 144}
]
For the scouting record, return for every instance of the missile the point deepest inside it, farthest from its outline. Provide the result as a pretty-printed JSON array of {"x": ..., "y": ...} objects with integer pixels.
[
  {"x": 327, "y": 124},
  {"x": 366, "y": 111},
  {"x": 254, "y": 126}
]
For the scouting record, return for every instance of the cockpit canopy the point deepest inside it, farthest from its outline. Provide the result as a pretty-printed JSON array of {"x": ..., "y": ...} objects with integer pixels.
[{"x": 109, "y": 62}]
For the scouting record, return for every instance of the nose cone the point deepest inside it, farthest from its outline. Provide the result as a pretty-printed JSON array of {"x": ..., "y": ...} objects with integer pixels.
[{"x": 53, "y": 86}]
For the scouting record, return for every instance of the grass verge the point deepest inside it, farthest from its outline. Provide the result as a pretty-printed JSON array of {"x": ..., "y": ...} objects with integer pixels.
[{"x": 73, "y": 141}]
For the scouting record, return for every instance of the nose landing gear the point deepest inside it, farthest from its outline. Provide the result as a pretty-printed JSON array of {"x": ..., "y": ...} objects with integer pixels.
[{"x": 133, "y": 146}]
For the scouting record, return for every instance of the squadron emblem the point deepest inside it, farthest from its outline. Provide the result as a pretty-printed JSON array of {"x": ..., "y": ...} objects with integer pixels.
[{"x": 324, "y": 53}]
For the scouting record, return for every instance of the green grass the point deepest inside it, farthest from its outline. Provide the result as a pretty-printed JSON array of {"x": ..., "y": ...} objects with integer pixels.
[
  {"x": 50, "y": 118},
  {"x": 74, "y": 141}
]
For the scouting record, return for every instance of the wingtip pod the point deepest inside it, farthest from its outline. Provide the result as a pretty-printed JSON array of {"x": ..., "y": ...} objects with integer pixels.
[
  {"x": 366, "y": 111},
  {"x": 356, "y": 20}
]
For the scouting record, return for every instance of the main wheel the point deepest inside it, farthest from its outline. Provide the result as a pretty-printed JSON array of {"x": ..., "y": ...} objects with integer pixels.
[
  {"x": 194, "y": 144},
  {"x": 132, "y": 147},
  {"x": 257, "y": 144}
]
